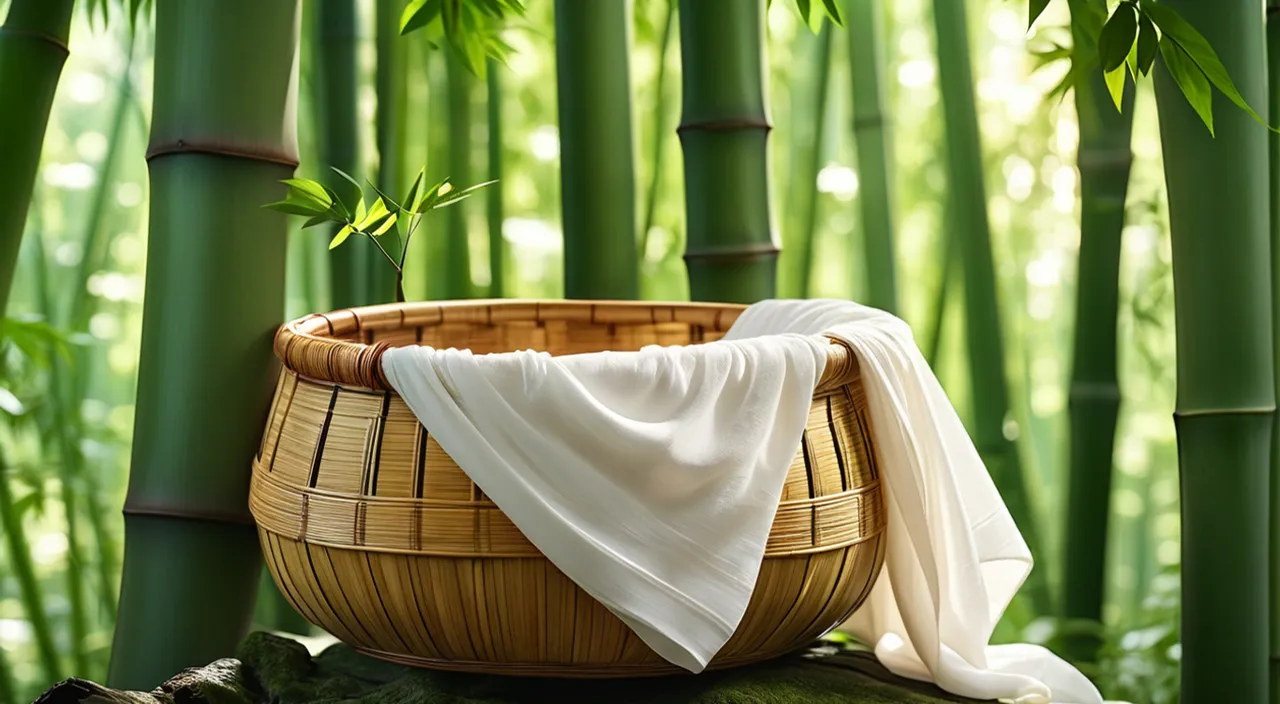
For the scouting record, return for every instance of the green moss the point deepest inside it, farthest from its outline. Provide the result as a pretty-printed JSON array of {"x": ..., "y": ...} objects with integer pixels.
[{"x": 275, "y": 670}]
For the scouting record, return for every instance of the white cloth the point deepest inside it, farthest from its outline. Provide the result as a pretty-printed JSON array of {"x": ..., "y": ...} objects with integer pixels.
[{"x": 651, "y": 479}]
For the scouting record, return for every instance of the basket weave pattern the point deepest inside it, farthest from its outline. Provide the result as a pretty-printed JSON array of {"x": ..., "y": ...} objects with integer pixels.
[{"x": 373, "y": 533}]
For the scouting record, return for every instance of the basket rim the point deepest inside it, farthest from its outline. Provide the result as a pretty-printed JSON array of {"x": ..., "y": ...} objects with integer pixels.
[{"x": 308, "y": 347}]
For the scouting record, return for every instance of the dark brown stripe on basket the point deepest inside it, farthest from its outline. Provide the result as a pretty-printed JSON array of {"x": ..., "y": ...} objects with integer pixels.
[
  {"x": 372, "y": 489},
  {"x": 377, "y": 593},
  {"x": 808, "y": 463},
  {"x": 831, "y": 593},
  {"x": 294, "y": 596},
  {"x": 420, "y": 463},
  {"x": 362, "y": 518},
  {"x": 836, "y": 440},
  {"x": 417, "y": 605},
  {"x": 868, "y": 445},
  {"x": 324, "y": 433},
  {"x": 275, "y": 449},
  {"x": 319, "y": 589}
]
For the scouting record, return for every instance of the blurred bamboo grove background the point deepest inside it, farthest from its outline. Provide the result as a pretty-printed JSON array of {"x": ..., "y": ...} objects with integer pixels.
[{"x": 876, "y": 197}]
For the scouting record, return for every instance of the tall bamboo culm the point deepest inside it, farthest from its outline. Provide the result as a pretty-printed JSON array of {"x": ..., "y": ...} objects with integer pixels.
[
  {"x": 967, "y": 210},
  {"x": 730, "y": 252},
  {"x": 597, "y": 167},
  {"x": 33, "y": 49},
  {"x": 1273, "y": 105},
  {"x": 1219, "y": 222},
  {"x": 493, "y": 195},
  {"x": 339, "y": 37},
  {"x": 873, "y": 136},
  {"x": 222, "y": 138},
  {"x": 812, "y": 164},
  {"x": 456, "y": 273},
  {"x": 1093, "y": 397},
  {"x": 389, "y": 132}
]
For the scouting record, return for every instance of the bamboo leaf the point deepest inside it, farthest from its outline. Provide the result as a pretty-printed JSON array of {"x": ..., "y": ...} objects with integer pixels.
[
  {"x": 360, "y": 213},
  {"x": 803, "y": 7},
  {"x": 833, "y": 12},
  {"x": 1115, "y": 85},
  {"x": 1035, "y": 8},
  {"x": 1189, "y": 77},
  {"x": 317, "y": 220},
  {"x": 1148, "y": 44},
  {"x": 386, "y": 225},
  {"x": 418, "y": 14},
  {"x": 454, "y": 196},
  {"x": 450, "y": 201},
  {"x": 310, "y": 189},
  {"x": 1196, "y": 48},
  {"x": 427, "y": 198},
  {"x": 385, "y": 197},
  {"x": 346, "y": 176},
  {"x": 1118, "y": 36},
  {"x": 376, "y": 212},
  {"x": 294, "y": 207},
  {"x": 341, "y": 237},
  {"x": 411, "y": 198}
]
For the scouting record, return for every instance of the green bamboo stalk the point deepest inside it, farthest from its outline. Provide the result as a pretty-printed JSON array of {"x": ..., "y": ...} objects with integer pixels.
[
  {"x": 25, "y": 574},
  {"x": 1094, "y": 392},
  {"x": 1219, "y": 223},
  {"x": 8, "y": 683},
  {"x": 937, "y": 323},
  {"x": 658, "y": 138},
  {"x": 68, "y": 477},
  {"x": 813, "y": 159},
  {"x": 730, "y": 249},
  {"x": 597, "y": 172},
  {"x": 1273, "y": 74},
  {"x": 390, "y": 135},
  {"x": 33, "y": 49},
  {"x": 339, "y": 38},
  {"x": 872, "y": 134},
  {"x": 793, "y": 149},
  {"x": 456, "y": 274},
  {"x": 968, "y": 211},
  {"x": 223, "y": 137},
  {"x": 493, "y": 197}
]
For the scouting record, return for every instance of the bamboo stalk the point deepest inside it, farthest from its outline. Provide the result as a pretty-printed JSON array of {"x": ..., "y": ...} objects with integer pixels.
[
  {"x": 33, "y": 49},
  {"x": 597, "y": 172},
  {"x": 390, "y": 135},
  {"x": 8, "y": 683},
  {"x": 339, "y": 37},
  {"x": 493, "y": 196},
  {"x": 456, "y": 274},
  {"x": 57, "y": 421},
  {"x": 223, "y": 136},
  {"x": 724, "y": 128},
  {"x": 24, "y": 574},
  {"x": 1273, "y": 74},
  {"x": 872, "y": 134},
  {"x": 813, "y": 159},
  {"x": 968, "y": 212},
  {"x": 1093, "y": 397},
  {"x": 1219, "y": 223},
  {"x": 658, "y": 138},
  {"x": 938, "y": 312}
]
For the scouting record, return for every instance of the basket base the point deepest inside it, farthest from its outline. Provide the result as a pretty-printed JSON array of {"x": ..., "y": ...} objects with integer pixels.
[{"x": 600, "y": 671}]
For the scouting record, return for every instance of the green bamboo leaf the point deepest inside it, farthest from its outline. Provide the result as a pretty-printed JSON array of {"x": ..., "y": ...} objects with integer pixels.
[
  {"x": 360, "y": 213},
  {"x": 833, "y": 12},
  {"x": 350, "y": 180},
  {"x": 803, "y": 7},
  {"x": 385, "y": 197},
  {"x": 428, "y": 199},
  {"x": 310, "y": 189},
  {"x": 1036, "y": 8},
  {"x": 386, "y": 225},
  {"x": 1118, "y": 36},
  {"x": 293, "y": 207},
  {"x": 411, "y": 198},
  {"x": 1189, "y": 77},
  {"x": 1196, "y": 48},
  {"x": 450, "y": 201},
  {"x": 452, "y": 196},
  {"x": 1115, "y": 85},
  {"x": 1090, "y": 17},
  {"x": 318, "y": 220},
  {"x": 418, "y": 14},
  {"x": 376, "y": 212},
  {"x": 341, "y": 237},
  {"x": 1148, "y": 44}
]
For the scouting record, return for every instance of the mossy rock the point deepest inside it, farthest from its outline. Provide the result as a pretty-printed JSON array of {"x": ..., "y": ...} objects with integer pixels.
[{"x": 269, "y": 669}]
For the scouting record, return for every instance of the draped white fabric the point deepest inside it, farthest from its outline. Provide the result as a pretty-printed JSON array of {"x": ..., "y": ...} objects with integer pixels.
[{"x": 651, "y": 478}]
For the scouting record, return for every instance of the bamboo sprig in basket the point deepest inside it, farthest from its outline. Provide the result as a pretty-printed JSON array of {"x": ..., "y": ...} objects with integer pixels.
[{"x": 374, "y": 533}]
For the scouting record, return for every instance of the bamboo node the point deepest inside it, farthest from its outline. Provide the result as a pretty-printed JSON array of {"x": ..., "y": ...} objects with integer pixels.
[
  {"x": 43, "y": 37},
  {"x": 251, "y": 152}
]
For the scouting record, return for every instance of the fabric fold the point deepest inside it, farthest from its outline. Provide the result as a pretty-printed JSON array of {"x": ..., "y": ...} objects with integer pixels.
[{"x": 651, "y": 480}]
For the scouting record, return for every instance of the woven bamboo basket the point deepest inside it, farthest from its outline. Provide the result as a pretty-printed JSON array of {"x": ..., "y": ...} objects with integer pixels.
[{"x": 374, "y": 534}]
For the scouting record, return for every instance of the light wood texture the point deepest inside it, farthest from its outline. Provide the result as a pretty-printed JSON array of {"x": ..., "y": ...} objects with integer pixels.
[{"x": 373, "y": 533}]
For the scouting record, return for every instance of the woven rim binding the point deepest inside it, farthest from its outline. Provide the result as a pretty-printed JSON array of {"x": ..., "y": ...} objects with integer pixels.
[{"x": 310, "y": 346}]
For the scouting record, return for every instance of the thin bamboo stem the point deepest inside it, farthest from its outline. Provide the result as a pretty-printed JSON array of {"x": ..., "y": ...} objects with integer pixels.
[
  {"x": 33, "y": 49},
  {"x": 223, "y": 137},
  {"x": 730, "y": 252},
  {"x": 493, "y": 196},
  {"x": 25, "y": 574},
  {"x": 968, "y": 212},
  {"x": 339, "y": 39},
  {"x": 1094, "y": 392},
  {"x": 813, "y": 159},
  {"x": 937, "y": 323},
  {"x": 872, "y": 134},
  {"x": 1226, "y": 396},
  {"x": 1273, "y": 74},
  {"x": 389, "y": 130},
  {"x": 597, "y": 170},
  {"x": 658, "y": 138},
  {"x": 457, "y": 240}
]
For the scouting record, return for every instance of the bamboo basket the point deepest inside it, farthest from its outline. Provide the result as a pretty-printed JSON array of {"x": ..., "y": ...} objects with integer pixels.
[{"x": 374, "y": 534}]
